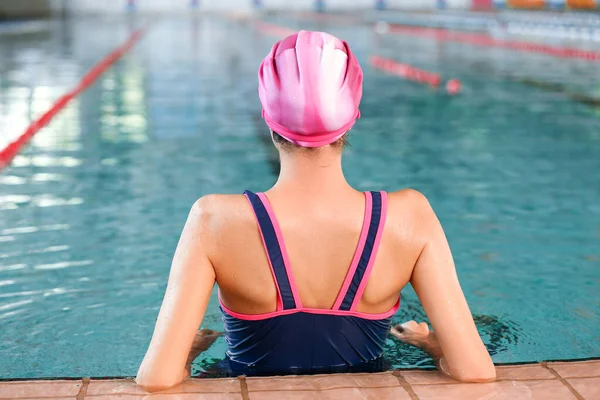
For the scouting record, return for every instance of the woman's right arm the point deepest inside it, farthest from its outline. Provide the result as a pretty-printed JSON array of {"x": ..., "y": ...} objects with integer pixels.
[{"x": 460, "y": 350}]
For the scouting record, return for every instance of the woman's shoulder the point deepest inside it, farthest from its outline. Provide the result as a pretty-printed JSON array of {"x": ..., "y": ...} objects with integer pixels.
[
  {"x": 408, "y": 197},
  {"x": 216, "y": 202},
  {"x": 218, "y": 211},
  {"x": 217, "y": 205},
  {"x": 409, "y": 206}
]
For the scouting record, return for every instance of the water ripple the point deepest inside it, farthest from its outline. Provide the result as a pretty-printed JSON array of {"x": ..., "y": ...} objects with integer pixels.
[
  {"x": 31, "y": 229},
  {"x": 44, "y": 177},
  {"x": 51, "y": 249},
  {"x": 59, "y": 291},
  {"x": 14, "y": 199},
  {"x": 96, "y": 305},
  {"x": 24, "y": 229},
  {"x": 8, "y": 306},
  {"x": 51, "y": 201},
  {"x": 23, "y": 293},
  {"x": 12, "y": 180},
  {"x": 11, "y": 202},
  {"x": 46, "y": 161},
  {"x": 62, "y": 265},
  {"x": 10, "y": 314},
  {"x": 13, "y": 267}
]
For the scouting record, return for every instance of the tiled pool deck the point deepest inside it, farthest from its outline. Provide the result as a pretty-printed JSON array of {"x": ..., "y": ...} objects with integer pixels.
[{"x": 557, "y": 380}]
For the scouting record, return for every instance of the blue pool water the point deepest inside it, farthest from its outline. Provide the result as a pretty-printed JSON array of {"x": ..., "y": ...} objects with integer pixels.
[{"x": 91, "y": 211}]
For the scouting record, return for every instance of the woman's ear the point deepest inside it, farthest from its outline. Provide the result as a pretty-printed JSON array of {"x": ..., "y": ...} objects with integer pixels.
[{"x": 273, "y": 139}]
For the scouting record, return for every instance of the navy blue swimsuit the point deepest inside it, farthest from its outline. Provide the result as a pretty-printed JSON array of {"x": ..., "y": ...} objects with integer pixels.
[{"x": 299, "y": 340}]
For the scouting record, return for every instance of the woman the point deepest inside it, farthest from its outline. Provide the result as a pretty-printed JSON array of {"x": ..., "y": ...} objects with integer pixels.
[{"x": 298, "y": 295}]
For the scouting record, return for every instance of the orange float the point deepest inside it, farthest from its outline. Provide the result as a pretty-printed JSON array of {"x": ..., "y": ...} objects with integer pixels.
[
  {"x": 582, "y": 4},
  {"x": 530, "y": 4}
]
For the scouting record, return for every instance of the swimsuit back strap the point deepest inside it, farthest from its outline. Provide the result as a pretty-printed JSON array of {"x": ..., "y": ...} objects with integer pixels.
[
  {"x": 369, "y": 252},
  {"x": 276, "y": 253}
]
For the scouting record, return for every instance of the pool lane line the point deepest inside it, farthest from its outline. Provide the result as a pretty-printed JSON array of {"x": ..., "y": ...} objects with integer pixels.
[
  {"x": 9, "y": 152},
  {"x": 414, "y": 74},
  {"x": 484, "y": 40},
  {"x": 329, "y": 17},
  {"x": 477, "y": 39},
  {"x": 273, "y": 29},
  {"x": 446, "y": 34},
  {"x": 559, "y": 88}
]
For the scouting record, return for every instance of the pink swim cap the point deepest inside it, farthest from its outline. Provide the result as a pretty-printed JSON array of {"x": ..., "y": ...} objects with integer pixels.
[{"x": 310, "y": 86}]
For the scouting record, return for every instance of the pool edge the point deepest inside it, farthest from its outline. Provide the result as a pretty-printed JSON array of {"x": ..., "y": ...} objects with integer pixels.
[{"x": 567, "y": 379}]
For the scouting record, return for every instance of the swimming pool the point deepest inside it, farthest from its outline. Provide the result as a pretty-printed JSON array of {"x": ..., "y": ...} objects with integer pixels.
[{"x": 91, "y": 211}]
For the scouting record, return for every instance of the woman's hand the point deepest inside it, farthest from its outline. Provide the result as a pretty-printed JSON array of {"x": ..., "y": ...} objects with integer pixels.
[
  {"x": 202, "y": 341},
  {"x": 418, "y": 335},
  {"x": 411, "y": 332}
]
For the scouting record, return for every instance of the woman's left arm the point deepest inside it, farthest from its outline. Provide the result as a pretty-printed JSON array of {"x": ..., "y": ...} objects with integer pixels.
[{"x": 191, "y": 281}]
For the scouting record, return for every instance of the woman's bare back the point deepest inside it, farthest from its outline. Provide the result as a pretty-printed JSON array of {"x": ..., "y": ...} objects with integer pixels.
[{"x": 321, "y": 236}]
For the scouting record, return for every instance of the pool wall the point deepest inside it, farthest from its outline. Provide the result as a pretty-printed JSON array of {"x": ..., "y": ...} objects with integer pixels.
[{"x": 92, "y": 6}]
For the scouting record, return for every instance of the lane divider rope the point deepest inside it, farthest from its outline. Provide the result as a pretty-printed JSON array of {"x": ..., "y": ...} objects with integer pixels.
[
  {"x": 411, "y": 73},
  {"x": 9, "y": 152},
  {"x": 272, "y": 29},
  {"x": 478, "y": 39}
]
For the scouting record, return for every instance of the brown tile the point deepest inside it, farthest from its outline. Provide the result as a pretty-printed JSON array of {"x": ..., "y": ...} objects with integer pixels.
[
  {"x": 32, "y": 389},
  {"x": 581, "y": 369},
  {"x": 521, "y": 372},
  {"x": 322, "y": 382},
  {"x": 190, "y": 386},
  {"x": 505, "y": 390},
  {"x": 426, "y": 377},
  {"x": 392, "y": 393},
  {"x": 516, "y": 372},
  {"x": 50, "y": 398},
  {"x": 211, "y": 386},
  {"x": 589, "y": 388},
  {"x": 160, "y": 396},
  {"x": 100, "y": 387},
  {"x": 116, "y": 397}
]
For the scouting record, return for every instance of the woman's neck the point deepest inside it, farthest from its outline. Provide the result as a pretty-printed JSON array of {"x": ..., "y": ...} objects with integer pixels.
[{"x": 312, "y": 173}]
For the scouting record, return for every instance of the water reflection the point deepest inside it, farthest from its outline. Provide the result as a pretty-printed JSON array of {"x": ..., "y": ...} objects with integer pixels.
[
  {"x": 45, "y": 161},
  {"x": 12, "y": 267},
  {"x": 13, "y": 202},
  {"x": 45, "y": 177},
  {"x": 12, "y": 180},
  {"x": 7, "y": 306},
  {"x": 62, "y": 265}
]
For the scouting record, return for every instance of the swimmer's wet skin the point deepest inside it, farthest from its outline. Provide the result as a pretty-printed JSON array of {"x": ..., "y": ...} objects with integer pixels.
[{"x": 276, "y": 296}]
